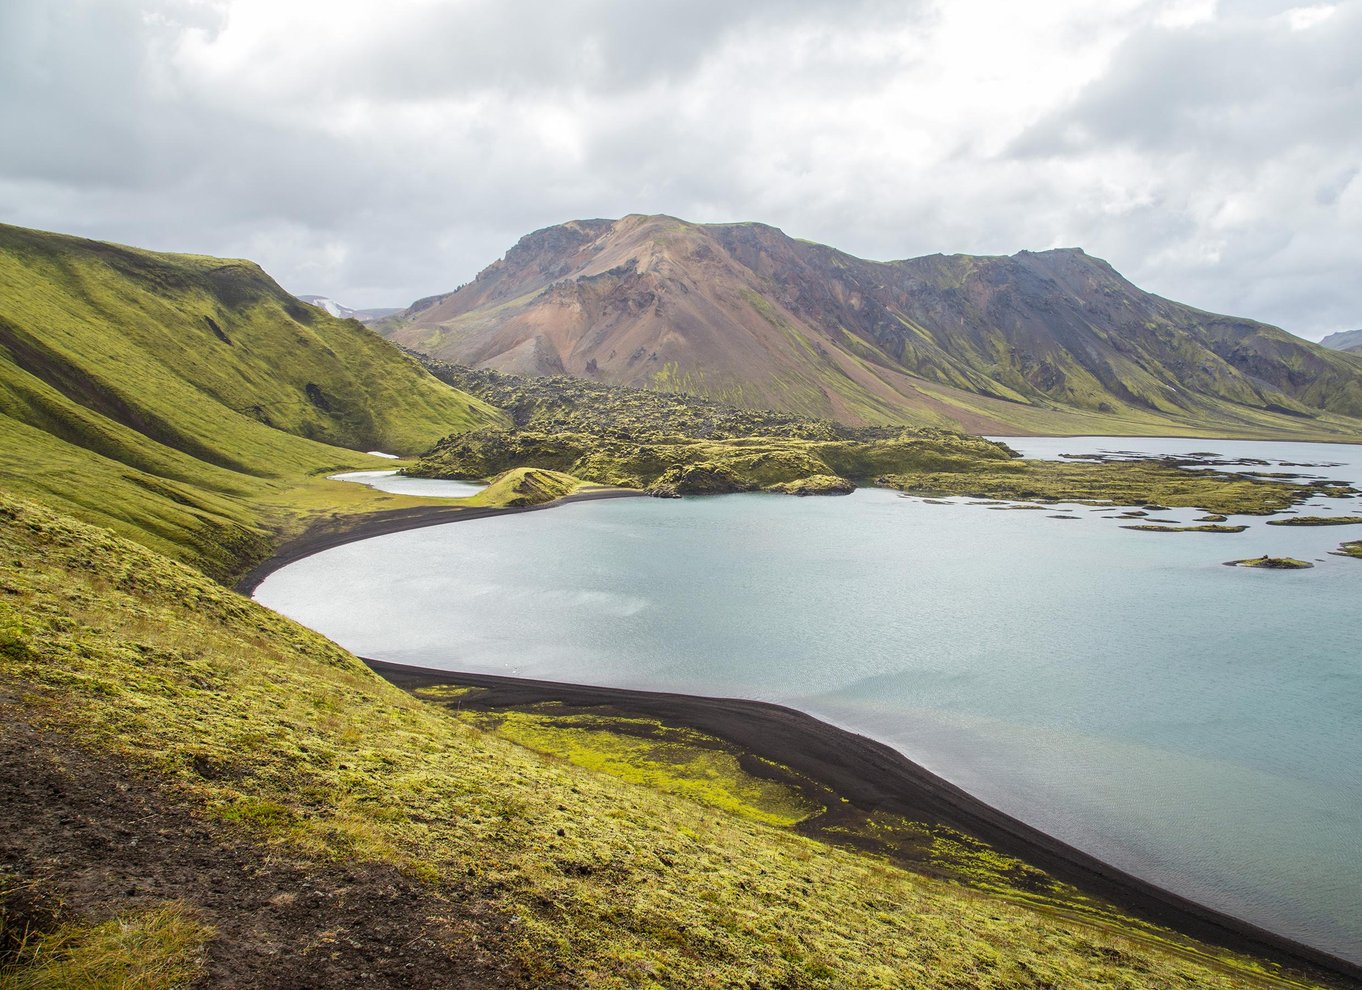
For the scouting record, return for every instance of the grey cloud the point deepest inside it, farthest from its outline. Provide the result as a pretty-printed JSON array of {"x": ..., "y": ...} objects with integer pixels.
[{"x": 711, "y": 111}]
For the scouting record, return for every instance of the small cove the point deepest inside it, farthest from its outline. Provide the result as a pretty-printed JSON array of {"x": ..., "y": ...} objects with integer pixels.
[{"x": 1198, "y": 725}]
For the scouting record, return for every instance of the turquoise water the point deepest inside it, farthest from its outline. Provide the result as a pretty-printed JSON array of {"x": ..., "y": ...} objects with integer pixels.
[{"x": 1196, "y": 724}]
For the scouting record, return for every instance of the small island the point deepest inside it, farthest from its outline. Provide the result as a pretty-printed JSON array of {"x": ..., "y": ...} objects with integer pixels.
[
  {"x": 1204, "y": 528},
  {"x": 1272, "y": 563},
  {"x": 1317, "y": 521}
]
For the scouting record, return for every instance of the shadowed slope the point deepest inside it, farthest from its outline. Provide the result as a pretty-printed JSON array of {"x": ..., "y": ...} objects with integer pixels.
[{"x": 168, "y": 395}]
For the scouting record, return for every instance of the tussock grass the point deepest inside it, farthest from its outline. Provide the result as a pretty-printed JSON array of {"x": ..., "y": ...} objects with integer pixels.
[
  {"x": 270, "y": 726},
  {"x": 160, "y": 949}
]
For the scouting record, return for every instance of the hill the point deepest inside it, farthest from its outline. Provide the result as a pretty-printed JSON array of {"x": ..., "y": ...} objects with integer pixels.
[
  {"x": 194, "y": 789},
  {"x": 186, "y": 400},
  {"x": 1053, "y": 341},
  {"x": 1344, "y": 340}
]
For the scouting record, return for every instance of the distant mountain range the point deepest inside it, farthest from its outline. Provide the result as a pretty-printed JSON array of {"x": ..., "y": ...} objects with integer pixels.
[
  {"x": 346, "y": 313},
  {"x": 1051, "y": 341},
  {"x": 1344, "y": 340}
]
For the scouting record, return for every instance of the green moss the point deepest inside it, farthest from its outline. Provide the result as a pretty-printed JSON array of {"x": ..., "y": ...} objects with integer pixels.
[
  {"x": 261, "y": 721},
  {"x": 182, "y": 400},
  {"x": 671, "y": 464},
  {"x": 818, "y": 484},
  {"x": 518, "y": 487},
  {"x": 643, "y": 751},
  {"x": 1272, "y": 563},
  {"x": 1119, "y": 483}
]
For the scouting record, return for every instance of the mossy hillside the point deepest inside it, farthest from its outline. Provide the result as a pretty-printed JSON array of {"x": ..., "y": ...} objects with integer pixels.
[
  {"x": 267, "y": 725},
  {"x": 680, "y": 760},
  {"x": 1118, "y": 483},
  {"x": 675, "y": 464},
  {"x": 169, "y": 396},
  {"x": 520, "y": 487}
]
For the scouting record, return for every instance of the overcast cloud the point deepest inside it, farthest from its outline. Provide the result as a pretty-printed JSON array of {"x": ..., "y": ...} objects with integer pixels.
[{"x": 377, "y": 152}]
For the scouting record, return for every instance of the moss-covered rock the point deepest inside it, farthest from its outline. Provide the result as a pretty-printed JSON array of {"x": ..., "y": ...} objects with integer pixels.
[
  {"x": 818, "y": 484},
  {"x": 1272, "y": 563}
]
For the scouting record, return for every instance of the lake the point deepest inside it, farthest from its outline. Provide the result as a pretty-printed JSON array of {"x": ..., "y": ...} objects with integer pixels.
[{"x": 1195, "y": 724}]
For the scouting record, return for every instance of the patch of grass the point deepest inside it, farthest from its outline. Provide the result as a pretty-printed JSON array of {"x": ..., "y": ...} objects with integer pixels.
[
  {"x": 1317, "y": 521},
  {"x": 1353, "y": 549},
  {"x": 160, "y": 949},
  {"x": 250, "y": 715},
  {"x": 665, "y": 758},
  {"x": 519, "y": 487}
]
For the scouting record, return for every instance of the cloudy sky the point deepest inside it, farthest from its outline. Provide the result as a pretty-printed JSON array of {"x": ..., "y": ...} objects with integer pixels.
[{"x": 377, "y": 152}]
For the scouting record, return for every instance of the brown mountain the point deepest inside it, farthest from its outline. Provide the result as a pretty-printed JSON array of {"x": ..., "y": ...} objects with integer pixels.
[{"x": 1051, "y": 341}]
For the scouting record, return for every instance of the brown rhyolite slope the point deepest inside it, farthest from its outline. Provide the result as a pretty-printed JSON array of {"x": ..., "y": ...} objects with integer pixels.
[{"x": 745, "y": 314}]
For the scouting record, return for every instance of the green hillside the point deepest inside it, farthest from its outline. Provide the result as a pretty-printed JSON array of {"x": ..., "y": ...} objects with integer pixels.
[{"x": 189, "y": 399}]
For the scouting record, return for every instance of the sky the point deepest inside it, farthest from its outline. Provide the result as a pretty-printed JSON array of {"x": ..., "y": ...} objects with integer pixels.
[{"x": 380, "y": 152}]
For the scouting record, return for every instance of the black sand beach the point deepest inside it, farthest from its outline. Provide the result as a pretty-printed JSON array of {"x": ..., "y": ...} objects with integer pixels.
[{"x": 869, "y": 775}]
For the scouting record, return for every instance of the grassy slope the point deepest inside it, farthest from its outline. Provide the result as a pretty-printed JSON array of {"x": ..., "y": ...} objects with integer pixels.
[
  {"x": 272, "y": 729},
  {"x": 190, "y": 401}
]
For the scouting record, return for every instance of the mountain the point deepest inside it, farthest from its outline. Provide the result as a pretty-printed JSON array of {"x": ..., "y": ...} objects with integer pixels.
[
  {"x": 346, "y": 313},
  {"x": 1051, "y": 341},
  {"x": 175, "y": 397},
  {"x": 1344, "y": 340}
]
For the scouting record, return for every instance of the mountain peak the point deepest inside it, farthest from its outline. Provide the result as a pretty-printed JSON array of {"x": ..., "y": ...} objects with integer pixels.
[{"x": 743, "y": 313}]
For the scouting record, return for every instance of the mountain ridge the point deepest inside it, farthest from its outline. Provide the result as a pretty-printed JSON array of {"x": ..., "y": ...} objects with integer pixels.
[
  {"x": 1343, "y": 340},
  {"x": 171, "y": 397},
  {"x": 1051, "y": 341}
]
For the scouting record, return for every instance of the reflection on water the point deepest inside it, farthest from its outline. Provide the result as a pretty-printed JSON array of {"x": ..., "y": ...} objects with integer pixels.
[{"x": 1197, "y": 724}]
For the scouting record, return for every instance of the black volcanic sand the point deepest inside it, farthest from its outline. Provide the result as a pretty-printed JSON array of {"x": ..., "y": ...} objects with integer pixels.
[
  {"x": 873, "y": 777},
  {"x": 870, "y": 776}
]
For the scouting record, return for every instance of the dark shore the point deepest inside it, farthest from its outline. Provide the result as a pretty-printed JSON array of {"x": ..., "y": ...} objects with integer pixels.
[
  {"x": 872, "y": 776},
  {"x": 352, "y": 529},
  {"x": 867, "y": 774}
]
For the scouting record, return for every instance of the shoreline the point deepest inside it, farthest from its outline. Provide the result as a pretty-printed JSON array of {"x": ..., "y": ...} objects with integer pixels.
[
  {"x": 873, "y": 776},
  {"x": 868, "y": 774},
  {"x": 328, "y": 536}
]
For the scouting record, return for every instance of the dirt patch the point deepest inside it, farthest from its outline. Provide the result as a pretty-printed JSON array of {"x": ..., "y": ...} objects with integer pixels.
[{"x": 96, "y": 839}]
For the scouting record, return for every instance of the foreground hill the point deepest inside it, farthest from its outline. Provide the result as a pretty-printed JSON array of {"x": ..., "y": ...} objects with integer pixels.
[
  {"x": 194, "y": 789},
  {"x": 1054, "y": 341},
  {"x": 172, "y": 396}
]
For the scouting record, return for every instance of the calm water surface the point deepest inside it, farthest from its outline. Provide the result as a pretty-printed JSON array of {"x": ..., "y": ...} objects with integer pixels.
[{"x": 1196, "y": 724}]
